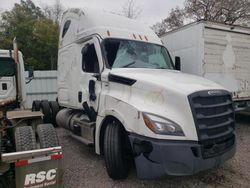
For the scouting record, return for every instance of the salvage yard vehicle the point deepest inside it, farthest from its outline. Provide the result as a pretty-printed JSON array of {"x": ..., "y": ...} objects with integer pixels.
[
  {"x": 215, "y": 51},
  {"x": 121, "y": 93},
  {"x": 30, "y": 152}
]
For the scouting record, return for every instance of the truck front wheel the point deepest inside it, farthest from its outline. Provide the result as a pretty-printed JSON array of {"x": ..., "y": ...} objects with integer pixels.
[{"x": 115, "y": 152}]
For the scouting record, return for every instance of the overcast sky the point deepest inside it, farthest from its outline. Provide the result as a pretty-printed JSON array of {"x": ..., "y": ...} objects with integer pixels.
[{"x": 152, "y": 11}]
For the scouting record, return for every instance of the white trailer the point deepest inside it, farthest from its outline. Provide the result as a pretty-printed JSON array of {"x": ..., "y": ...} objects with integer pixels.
[
  {"x": 215, "y": 51},
  {"x": 121, "y": 94}
]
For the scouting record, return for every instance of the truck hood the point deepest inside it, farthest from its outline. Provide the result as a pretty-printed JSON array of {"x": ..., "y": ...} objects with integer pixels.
[{"x": 168, "y": 79}]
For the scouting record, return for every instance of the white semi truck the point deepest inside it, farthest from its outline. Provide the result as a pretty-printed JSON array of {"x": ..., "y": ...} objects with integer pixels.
[
  {"x": 122, "y": 94},
  {"x": 30, "y": 152},
  {"x": 215, "y": 51}
]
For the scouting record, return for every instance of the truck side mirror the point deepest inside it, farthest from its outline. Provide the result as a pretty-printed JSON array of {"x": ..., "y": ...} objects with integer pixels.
[
  {"x": 30, "y": 75},
  {"x": 177, "y": 63},
  {"x": 31, "y": 72}
]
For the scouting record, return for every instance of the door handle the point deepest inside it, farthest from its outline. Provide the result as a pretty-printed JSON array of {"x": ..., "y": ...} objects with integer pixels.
[{"x": 79, "y": 96}]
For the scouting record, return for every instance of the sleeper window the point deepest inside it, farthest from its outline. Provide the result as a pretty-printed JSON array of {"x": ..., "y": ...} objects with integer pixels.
[
  {"x": 66, "y": 27},
  {"x": 89, "y": 59}
]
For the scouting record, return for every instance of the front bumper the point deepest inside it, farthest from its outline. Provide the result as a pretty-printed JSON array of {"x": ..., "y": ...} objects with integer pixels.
[{"x": 155, "y": 158}]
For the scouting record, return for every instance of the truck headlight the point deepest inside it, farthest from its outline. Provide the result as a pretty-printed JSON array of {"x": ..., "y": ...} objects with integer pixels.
[{"x": 160, "y": 125}]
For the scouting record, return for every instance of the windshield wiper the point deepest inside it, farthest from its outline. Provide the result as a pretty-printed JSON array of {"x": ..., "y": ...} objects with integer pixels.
[{"x": 128, "y": 64}]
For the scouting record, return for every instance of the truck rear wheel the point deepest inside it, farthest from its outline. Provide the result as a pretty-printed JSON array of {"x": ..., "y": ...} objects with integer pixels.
[
  {"x": 36, "y": 105},
  {"x": 45, "y": 109},
  {"x": 114, "y": 151},
  {"x": 6, "y": 180},
  {"x": 54, "y": 107},
  {"x": 47, "y": 136},
  {"x": 25, "y": 138},
  {"x": 4, "y": 183}
]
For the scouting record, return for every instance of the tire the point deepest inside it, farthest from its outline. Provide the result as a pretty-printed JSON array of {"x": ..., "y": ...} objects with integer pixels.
[
  {"x": 47, "y": 136},
  {"x": 7, "y": 180},
  {"x": 36, "y": 105},
  {"x": 25, "y": 138},
  {"x": 45, "y": 109},
  {"x": 54, "y": 107},
  {"x": 114, "y": 152},
  {"x": 4, "y": 183}
]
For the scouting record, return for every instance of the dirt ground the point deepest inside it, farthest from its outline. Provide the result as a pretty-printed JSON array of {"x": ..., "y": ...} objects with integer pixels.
[{"x": 83, "y": 168}]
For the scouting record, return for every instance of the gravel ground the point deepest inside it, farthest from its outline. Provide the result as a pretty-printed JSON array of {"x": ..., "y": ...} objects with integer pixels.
[{"x": 83, "y": 168}]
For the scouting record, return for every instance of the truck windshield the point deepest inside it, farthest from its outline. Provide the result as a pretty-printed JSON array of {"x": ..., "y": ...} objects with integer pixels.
[
  {"x": 135, "y": 54},
  {"x": 7, "y": 67}
]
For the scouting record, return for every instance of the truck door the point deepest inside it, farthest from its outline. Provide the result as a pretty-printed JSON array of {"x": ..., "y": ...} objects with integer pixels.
[
  {"x": 91, "y": 65},
  {"x": 7, "y": 79}
]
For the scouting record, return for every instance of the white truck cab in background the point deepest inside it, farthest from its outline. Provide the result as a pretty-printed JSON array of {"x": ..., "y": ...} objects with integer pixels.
[
  {"x": 9, "y": 80},
  {"x": 121, "y": 93},
  {"x": 215, "y": 51}
]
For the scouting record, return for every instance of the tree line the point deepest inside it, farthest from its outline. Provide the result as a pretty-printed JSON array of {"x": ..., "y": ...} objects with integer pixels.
[
  {"x": 36, "y": 30},
  {"x": 231, "y": 12}
]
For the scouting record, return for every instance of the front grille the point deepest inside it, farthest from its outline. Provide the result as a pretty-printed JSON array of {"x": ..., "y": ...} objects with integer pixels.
[{"x": 213, "y": 115}]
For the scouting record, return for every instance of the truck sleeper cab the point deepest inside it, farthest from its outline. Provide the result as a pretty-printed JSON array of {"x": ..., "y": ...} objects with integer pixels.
[{"x": 121, "y": 93}]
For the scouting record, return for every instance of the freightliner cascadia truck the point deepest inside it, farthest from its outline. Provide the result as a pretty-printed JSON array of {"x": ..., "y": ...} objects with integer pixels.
[{"x": 122, "y": 94}]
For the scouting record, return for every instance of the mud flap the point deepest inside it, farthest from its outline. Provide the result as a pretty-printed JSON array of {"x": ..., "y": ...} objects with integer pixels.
[
  {"x": 37, "y": 171},
  {"x": 39, "y": 174}
]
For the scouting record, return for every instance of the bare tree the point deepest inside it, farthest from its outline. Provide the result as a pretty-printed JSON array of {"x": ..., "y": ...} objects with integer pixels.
[
  {"x": 54, "y": 12},
  {"x": 173, "y": 21},
  {"x": 159, "y": 28},
  {"x": 130, "y": 9},
  {"x": 225, "y": 11},
  {"x": 175, "y": 18},
  {"x": 58, "y": 10}
]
